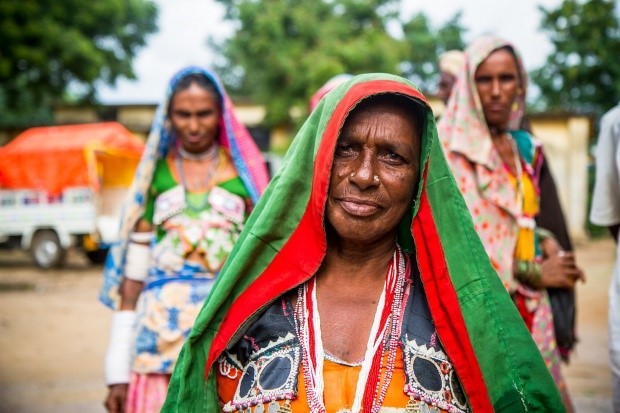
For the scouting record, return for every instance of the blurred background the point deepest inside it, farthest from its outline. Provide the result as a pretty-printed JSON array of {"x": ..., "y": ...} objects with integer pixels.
[{"x": 104, "y": 66}]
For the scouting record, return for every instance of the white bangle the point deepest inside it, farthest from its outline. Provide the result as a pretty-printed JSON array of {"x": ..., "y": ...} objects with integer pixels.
[
  {"x": 141, "y": 237},
  {"x": 137, "y": 262},
  {"x": 118, "y": 357}
]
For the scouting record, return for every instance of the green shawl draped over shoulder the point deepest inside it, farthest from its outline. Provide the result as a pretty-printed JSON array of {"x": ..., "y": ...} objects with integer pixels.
[{"x": 284, "y": 242}]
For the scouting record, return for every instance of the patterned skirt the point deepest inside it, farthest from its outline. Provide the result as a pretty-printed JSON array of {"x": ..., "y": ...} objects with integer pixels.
[{"x": 146, "y": 393}]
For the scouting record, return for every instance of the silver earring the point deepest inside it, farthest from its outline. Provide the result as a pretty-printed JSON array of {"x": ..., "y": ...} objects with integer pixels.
[
  {"x": 352, "y": 175},
  {"x": 376, "y": 178}
]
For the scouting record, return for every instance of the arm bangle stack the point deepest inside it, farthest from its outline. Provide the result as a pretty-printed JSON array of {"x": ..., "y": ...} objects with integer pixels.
[
  {"x": 141, "y": 237},
  {"x": 118, "y": 357},
  {"x": 544, "y": 233},
  {"x": 528, "y": 273},
  {"x": 137, "y": 261}
]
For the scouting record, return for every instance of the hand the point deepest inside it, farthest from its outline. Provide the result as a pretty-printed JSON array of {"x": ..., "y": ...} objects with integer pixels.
[
  {"x": 117, "y": 396},
  {"x": 550, "y": 247},
  {"x": 560, "y": 271}
]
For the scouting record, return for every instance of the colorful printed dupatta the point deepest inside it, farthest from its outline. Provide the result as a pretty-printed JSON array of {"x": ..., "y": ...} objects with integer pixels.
[
  {"x": 478, "y": 167},
  {"x": 233, "y": 136},
  {"x": 284, "y": 242},
  {"x": 462, "y": 127}
]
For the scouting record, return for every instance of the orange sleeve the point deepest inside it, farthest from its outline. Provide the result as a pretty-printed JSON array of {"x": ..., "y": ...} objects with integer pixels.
[{"x": 227, "y": 383}]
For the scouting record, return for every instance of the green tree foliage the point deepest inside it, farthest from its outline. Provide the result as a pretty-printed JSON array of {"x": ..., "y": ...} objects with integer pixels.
[
  {"x": 284, "y": 50},
  {"x": 425, "y": 43},
  {"x": 583, "y": 73},
  {"x": 52, "y": 50}
]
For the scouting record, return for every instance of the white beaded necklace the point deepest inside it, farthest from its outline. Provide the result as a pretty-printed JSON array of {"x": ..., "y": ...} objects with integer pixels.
[
  {"x": 211, "y": 155},
  {"x": 385, "y": 332}
]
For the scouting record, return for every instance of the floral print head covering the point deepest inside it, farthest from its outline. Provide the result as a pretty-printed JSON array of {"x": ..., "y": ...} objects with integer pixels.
[{"x": 462, "y": 127}]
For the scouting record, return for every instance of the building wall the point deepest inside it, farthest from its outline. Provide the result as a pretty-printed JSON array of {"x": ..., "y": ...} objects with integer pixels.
[
  {"x": 136, "y": 118},
  {"x": 66, "y": 115},
  {"x": 565, "y": 139}
]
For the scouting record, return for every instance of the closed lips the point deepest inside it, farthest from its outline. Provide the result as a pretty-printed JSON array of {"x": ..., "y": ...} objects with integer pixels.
[{"x": 359, "y": 207}]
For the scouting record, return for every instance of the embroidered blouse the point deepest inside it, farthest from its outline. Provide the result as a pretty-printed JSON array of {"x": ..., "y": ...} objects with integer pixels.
[
  {"x": 175, "y": 289},
  {"x": 262, "y": 371}
]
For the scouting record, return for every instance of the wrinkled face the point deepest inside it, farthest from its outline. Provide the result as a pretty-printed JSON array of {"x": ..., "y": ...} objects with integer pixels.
[
  {"x": 374, "y": 173},
  {"x": 195, "y": 113},
  {"x": 446, "y": 81},
  {"x": 498, "y": 84}
]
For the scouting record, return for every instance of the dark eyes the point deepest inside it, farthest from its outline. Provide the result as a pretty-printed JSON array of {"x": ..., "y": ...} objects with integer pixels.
[
  {"x": 386, "y": 155},
  {"x": 394, "y": 157},
  {"x": 344, "y": 150},
  {"x": 485, "y": 80},
  {"x": 186, "y": 115},
  {"x": 205, "y": 113}
]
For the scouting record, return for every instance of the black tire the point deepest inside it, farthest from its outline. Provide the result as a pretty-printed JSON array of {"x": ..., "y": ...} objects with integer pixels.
[
  {"x": 96, "y": 256},
  {"x": 46, "y": 250}
]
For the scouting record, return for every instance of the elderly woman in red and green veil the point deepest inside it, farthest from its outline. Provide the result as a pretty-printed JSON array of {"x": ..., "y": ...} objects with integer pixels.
[{"x": 359, "y": 284}]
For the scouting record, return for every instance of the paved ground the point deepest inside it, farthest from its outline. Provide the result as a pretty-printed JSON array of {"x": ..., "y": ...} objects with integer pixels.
[
  {"x": 53, "y": 335},
  {"x": 588, "y": 374}
]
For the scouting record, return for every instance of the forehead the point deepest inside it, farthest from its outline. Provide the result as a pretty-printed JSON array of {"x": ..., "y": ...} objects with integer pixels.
[
  {"x": 391, "y": 112},
  {"x": 193, "y": 95},
  {"x": 500, "y": 59}
]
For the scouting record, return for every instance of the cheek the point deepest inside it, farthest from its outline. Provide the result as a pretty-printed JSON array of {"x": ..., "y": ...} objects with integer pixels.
[
  {"x": 335, "y": 181},
  {"x": 211, "y": 123},
  {"x": 403, "y": 186},
  {"x": 338, "y": 173},
  {"x": 331, "y": 216},
  {"x": 513, "y": 94},
  {"x": 176, "y": 123},
  {"x": 407, "y": 179},
  {"x": 485, "y": 97}
]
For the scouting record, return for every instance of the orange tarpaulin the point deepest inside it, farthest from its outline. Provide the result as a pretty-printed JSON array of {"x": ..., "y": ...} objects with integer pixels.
[{"x": 57, "y": 157}]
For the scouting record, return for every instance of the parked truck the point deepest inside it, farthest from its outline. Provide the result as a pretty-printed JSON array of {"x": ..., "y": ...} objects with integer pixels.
[{"x": 63, "y": 186}]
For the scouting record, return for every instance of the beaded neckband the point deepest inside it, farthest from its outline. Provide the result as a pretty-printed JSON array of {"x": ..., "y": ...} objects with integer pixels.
[
  {"x": 385, "y": 332},
  {"x": 210, "y": 153}
]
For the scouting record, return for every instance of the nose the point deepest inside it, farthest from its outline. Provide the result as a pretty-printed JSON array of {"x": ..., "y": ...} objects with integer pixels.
[
  {"x": 495, "y": 88},
  {"x": 193, "y": 124},
  {"x": 364, "y": 175}
]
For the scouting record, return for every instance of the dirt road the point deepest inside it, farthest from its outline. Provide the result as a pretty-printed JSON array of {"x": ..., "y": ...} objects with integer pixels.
[{"x": 53, "y": 335}]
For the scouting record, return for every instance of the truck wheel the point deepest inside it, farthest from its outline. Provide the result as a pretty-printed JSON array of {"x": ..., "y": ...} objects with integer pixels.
[
  {"x": 46, "y": 249},
  {"x": 97, "y": 256}
]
